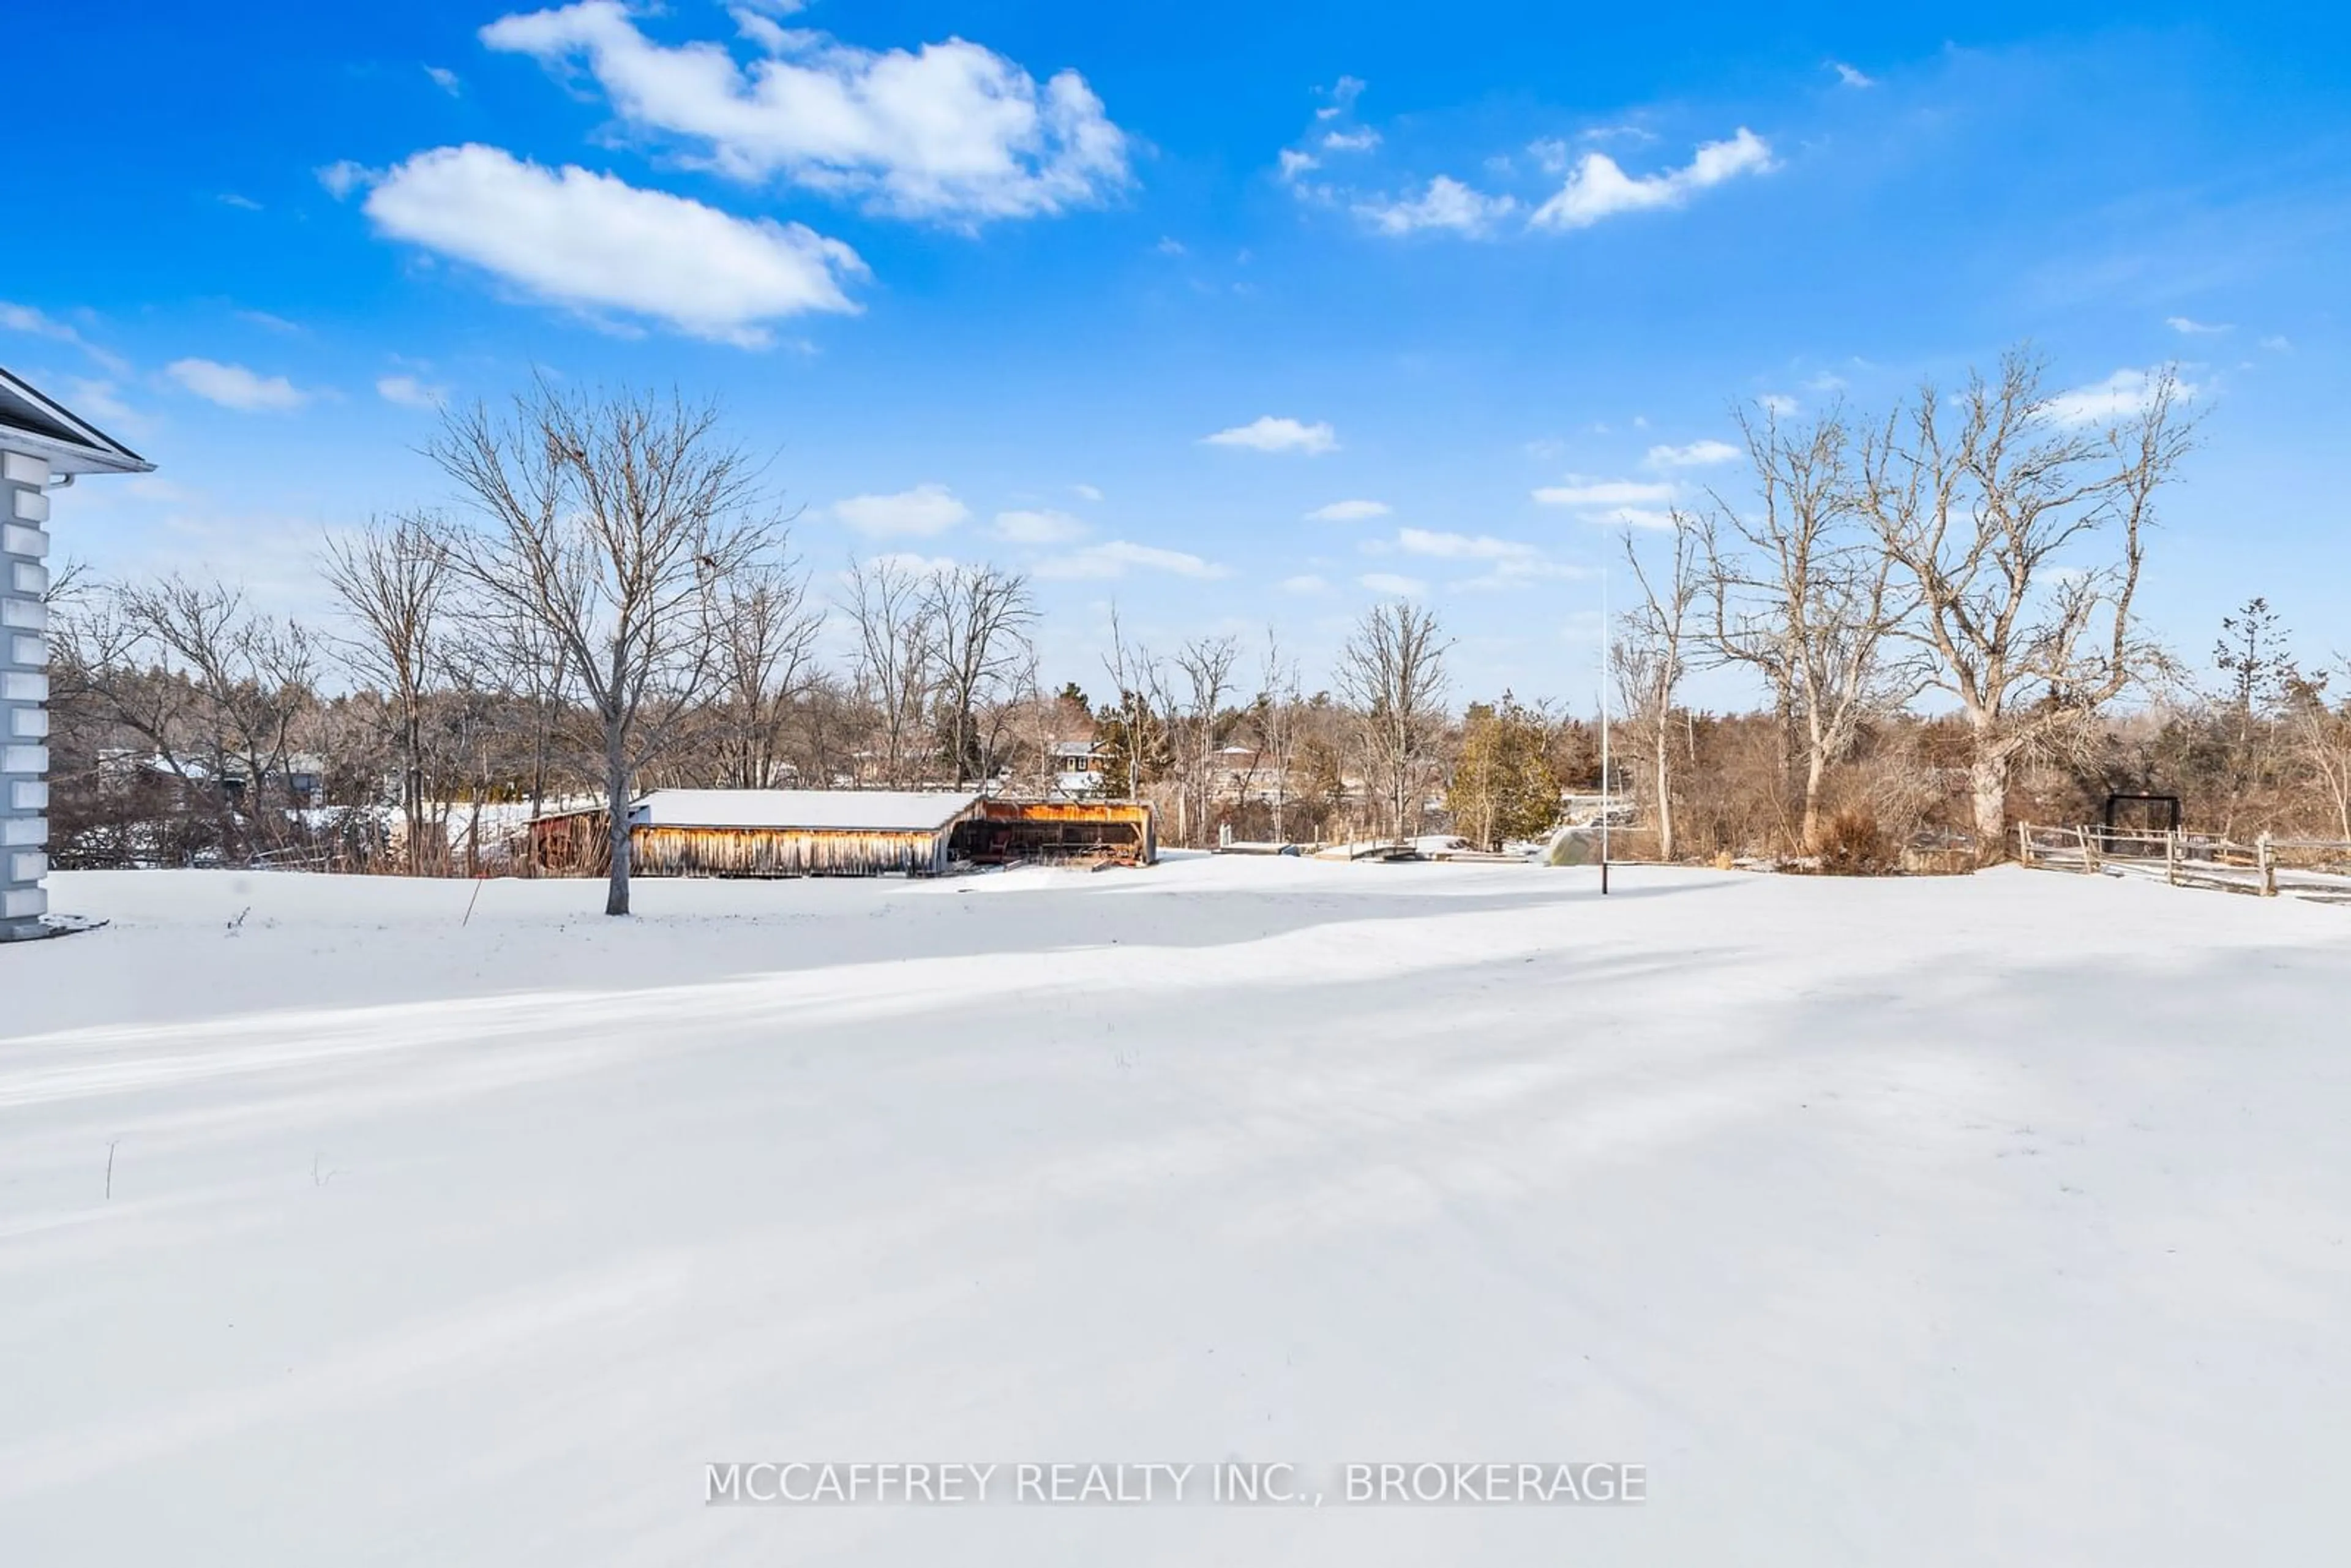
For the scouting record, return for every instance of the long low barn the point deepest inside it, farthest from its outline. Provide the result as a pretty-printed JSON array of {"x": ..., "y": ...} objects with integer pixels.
[{"x": 841, "y": 832}]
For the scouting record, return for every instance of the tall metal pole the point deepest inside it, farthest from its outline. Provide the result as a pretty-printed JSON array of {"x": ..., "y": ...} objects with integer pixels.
[{"x": 1606, "y": 649}]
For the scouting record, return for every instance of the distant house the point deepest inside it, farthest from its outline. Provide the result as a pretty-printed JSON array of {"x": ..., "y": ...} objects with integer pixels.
[
  {"x": 1080, "y": 767},
  {"x": 840, "y": 832}
]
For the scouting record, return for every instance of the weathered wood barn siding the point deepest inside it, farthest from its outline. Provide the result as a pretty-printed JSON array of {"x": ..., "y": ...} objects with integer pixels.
[
  {"x": 718, "y": 833},
  {"x": 569, "y": 843},
  {"x": 763, "y": 832},
  {"x": 787, "y": 851}
]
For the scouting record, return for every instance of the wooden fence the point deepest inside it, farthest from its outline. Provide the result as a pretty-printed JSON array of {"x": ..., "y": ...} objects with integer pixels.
[{"x": 2318, "y": 869}]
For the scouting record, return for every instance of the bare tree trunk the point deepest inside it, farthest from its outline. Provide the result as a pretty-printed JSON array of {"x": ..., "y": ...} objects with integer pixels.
[
  {"x": 1987, "y": 791},
  {"x": 1816, "y": 767},
  {"x": 1663, "y": 736},
  {"x": 617, "y": 802}
]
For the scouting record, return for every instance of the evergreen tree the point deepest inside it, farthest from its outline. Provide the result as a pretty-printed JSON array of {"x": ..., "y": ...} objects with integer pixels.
[
  {"x": 1135, "y": 749},
  {"x": 2256, "y": 668},
  {"x": 1503, "y": 788}
]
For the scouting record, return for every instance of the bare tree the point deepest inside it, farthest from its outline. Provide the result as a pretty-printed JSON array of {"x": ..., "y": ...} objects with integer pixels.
[
  {"x": 392, "y": 580},
  {"x": 1204, "y": 665},
  {"x": 1137, "y": 674},
  {"x": 539, "y": 665},
  {"x": 248, "y": 677},
  {"x": 1802, "y": 593},
  {"x": 1993, "y": 509},
  {"x": 767, "y": 633},
  {"x": 890, "y": 610},
  {"x": 2320, "y": 737},
  {"x": 979, "y": 648},
  {"x": 1649, "y": 663},
  {"x": 1275, "y": 716},
  {"x": 1011, "y": 722},
  {"x": 610, "y": 523},
  {"x": 1393, "y": 670}
]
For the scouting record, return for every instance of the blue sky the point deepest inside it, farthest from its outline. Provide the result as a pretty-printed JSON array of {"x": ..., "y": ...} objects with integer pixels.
[{"x": 1126, "y": 296}]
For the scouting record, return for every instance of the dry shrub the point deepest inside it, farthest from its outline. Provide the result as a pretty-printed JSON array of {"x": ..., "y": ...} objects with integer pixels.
[{"x": 1853, "y": 844}]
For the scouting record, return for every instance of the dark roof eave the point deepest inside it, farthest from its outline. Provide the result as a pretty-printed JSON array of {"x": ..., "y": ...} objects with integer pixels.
[{"x": 70, "y": 443}]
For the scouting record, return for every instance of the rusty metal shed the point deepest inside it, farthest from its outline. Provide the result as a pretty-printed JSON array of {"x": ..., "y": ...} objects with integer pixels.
[{"x": 1097, "y": 832}]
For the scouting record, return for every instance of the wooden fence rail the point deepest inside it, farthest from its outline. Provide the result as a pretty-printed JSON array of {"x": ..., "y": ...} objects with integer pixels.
[{"x": 2316, "y": 869}]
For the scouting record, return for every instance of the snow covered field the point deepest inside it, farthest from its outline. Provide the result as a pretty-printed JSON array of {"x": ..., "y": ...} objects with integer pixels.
[{"x": 1999, "y": 1219}]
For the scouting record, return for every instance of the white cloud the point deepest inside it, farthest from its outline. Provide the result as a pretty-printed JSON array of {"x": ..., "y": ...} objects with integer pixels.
[
  {"x": 950, "y": 130},
  {"x": 1848, "y": 76},
  {"x": 1348, "y": 512},
  {"x": 1085, "y": 492},
  {"x": 1696, "y": 454},
  {"x": 2276, "y": 345},
  {"x": 1522, "y": 572},
  {"x": 1778, "y": 404},
  {"x": 1580, "y": 492},
  {"x": 1118, "y": 556},
  {"x": 445, "y": 79},
  {"x": 591, "y": 241},
  {"x": 241, "y": 202},
  {"x": 1169, "y": 245},
  {"x": 911, "y": 562},
  {"x": 1306, "y": 583},
  {"x": 1447, "y": 203},
  {"x": 35, "y": 323},
  {"x": 410, "y": 392},
  {"x": 1295, "y": 164},
  {"x": 2119, "y": 396},
  {"x": 1599, "y": 188},
  {"x": 2188, "y": 328},
  {"x": 1390, "y": 583},
  {"x": 233, "y": 386},
  {"x": 40, "y": 324},
  {"x": 1630, "y": 517},
  {"x": 1509, "y": 563},
  {"x": 1462, "y": 546},
  {"x": 1267, "y": 433},
  {"x": 1343, "y": 98},
  {"x": 922, "y": 512},
  {"x": 1361, "y": 140},
  {"x": 1038, "y": 527},
  {"x": 343, "y": 177}
]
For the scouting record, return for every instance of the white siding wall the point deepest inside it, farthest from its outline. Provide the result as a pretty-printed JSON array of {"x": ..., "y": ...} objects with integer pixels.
[{"x": 24, "y": 692}]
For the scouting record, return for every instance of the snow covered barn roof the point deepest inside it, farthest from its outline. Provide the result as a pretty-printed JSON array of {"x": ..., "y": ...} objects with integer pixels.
[
  {"x": 33, "y": 423},
  {"x": 845, "y": 811}
]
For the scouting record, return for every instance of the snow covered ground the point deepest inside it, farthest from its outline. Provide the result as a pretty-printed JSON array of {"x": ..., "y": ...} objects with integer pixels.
[{"x": 1999, "y": 1219}]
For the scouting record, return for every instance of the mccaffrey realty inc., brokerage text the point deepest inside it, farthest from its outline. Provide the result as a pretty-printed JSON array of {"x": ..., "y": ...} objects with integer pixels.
[{"x": 1424, "y": 1483}]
